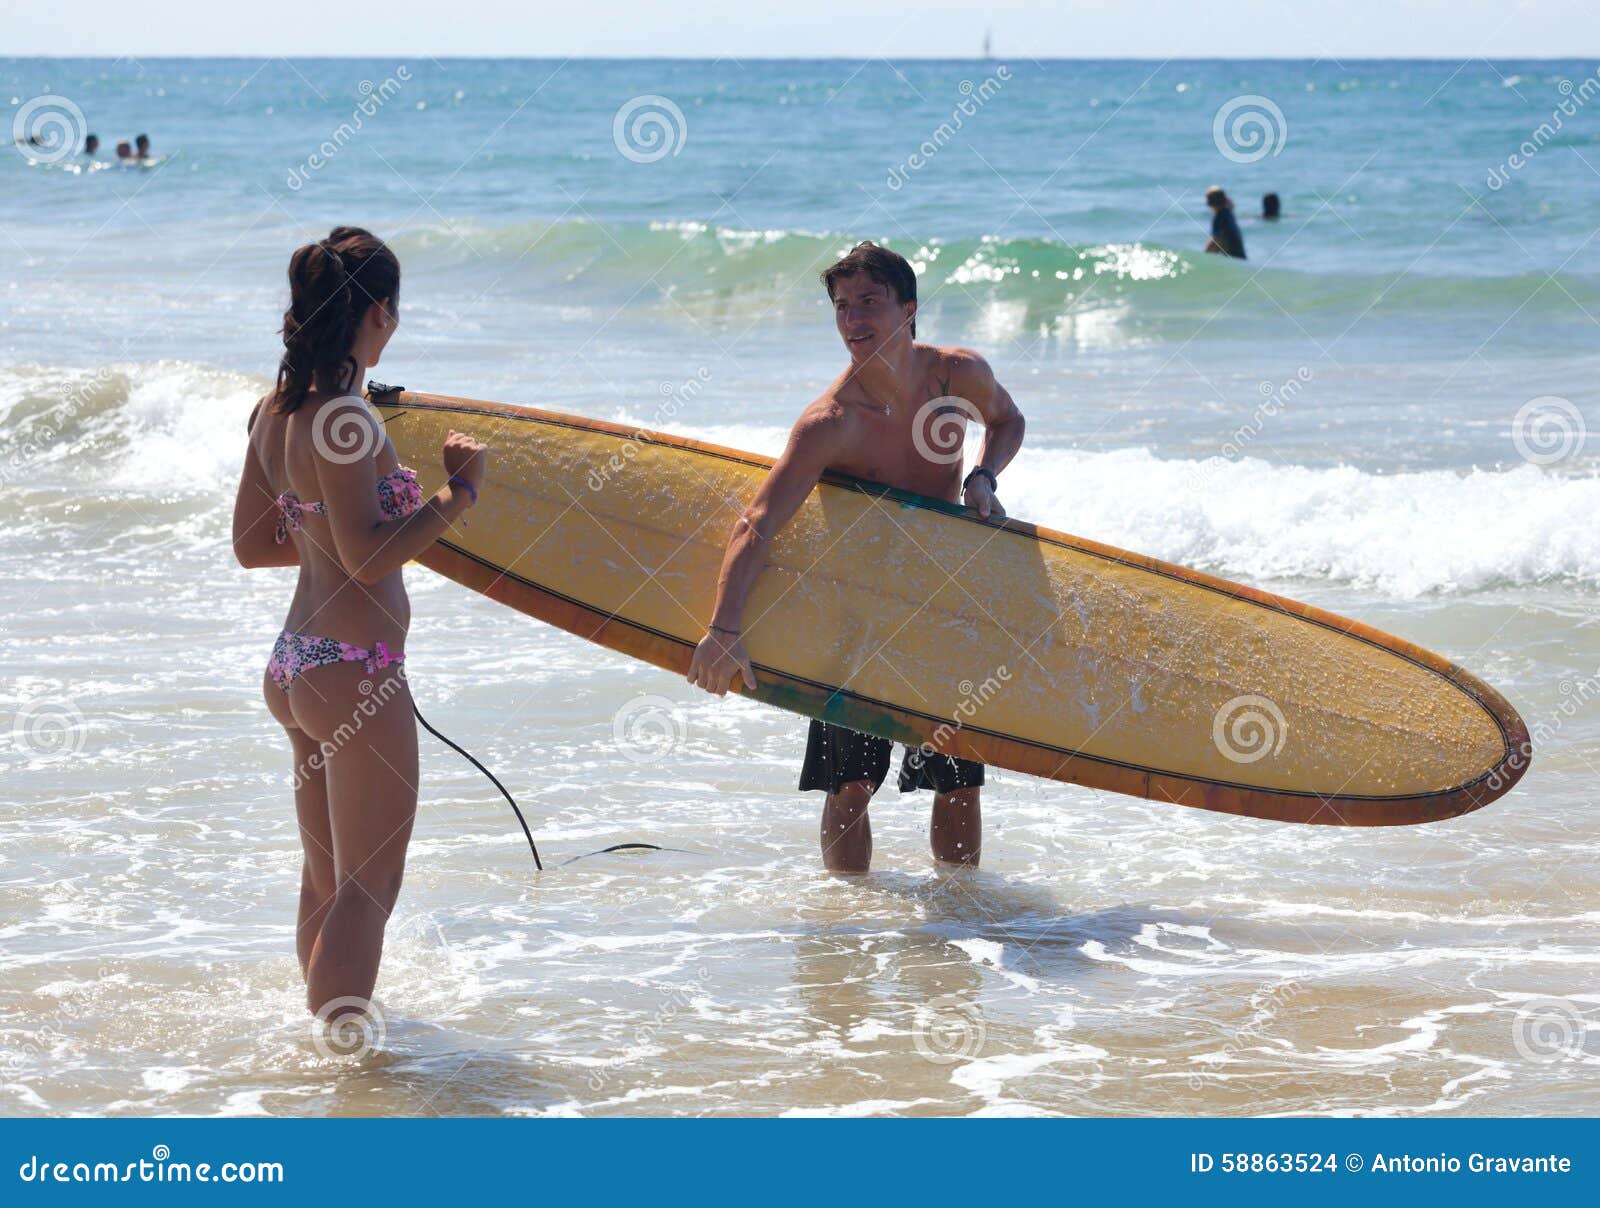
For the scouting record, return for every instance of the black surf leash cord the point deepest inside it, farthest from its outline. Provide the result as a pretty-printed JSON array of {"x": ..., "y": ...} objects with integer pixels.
[
  {"x": 470, "y": 758},
  {"x": 511, "y": 801},
  {"x": 381, "y": 388}
]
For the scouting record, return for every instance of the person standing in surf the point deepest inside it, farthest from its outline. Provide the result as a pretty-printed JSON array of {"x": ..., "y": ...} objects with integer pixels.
[
  {"x": 322, "y": 489},
  {"x": 895, "y": 416},
  {"x": 1225, "y": 236}
]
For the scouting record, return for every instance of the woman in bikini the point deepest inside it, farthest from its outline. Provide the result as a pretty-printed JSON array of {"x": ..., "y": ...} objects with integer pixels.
[{"x": 323, "y": 490}]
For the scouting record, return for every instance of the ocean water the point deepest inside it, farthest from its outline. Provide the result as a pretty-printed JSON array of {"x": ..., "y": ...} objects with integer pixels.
[{"x": 1384, "y": 411}]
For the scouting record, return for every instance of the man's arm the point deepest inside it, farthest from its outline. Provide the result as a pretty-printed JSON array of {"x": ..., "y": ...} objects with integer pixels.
[
  {"x": 1003, "y": 426},
  {"x": 813, "y": 445}
]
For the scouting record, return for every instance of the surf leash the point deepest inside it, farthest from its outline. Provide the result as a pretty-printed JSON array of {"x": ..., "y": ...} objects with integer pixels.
[
  {"x": 382, "y": 389},
  {"x": 512, "y": 802},
  {"x": 470, "y": 758}
]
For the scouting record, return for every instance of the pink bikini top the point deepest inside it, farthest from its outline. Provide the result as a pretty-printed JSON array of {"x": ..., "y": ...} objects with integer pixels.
[{"x": 398, "y": 495}]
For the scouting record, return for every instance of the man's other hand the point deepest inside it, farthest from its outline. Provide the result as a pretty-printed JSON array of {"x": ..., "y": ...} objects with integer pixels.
[{"x": 717, "y": 659}]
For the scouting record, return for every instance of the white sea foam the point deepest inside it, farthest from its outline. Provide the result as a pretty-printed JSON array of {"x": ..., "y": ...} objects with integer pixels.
[
  {"x": 179, "y": 426},
  {"x": 1405, "y": 534}
]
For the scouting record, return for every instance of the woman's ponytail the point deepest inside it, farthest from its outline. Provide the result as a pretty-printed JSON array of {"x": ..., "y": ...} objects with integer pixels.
[{"x": 331, "y": 286}]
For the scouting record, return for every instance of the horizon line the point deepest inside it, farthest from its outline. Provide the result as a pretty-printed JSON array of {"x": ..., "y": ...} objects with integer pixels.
[{"x": 765, "y": 58}]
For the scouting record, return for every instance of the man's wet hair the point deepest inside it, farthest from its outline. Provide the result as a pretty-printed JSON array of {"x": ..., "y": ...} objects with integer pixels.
[{"x": 885, "y": 267}]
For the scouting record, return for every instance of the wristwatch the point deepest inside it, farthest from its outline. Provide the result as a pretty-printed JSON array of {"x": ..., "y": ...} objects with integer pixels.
[{"x": 994, "y": 483}]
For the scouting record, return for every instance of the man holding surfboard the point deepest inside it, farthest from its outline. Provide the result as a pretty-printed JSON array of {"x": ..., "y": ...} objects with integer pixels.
[{"x": 896, "y": 416}]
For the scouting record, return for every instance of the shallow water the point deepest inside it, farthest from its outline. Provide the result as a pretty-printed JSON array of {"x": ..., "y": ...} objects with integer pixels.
[{"x": 1113, "y": 956}]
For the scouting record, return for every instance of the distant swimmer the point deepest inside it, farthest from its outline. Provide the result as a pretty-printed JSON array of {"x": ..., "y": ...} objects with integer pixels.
[
  {"x": 1270, "y": 207},
  {"x": 125, "y": 150},
  {"x": 91, "y": 144},
  {"x": 873, "y": 422},
  {"x": 141, "y": 146},
  {"x": 1225, "y": 237}
]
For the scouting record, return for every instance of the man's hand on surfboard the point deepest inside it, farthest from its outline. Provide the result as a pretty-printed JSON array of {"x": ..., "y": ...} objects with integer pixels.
[
  {"x": 979, "y": 495},
  {"x": 717, "y": 659}
]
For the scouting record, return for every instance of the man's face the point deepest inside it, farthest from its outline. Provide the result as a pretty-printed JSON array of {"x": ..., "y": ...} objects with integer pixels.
[{"x": 868, "y": 315}]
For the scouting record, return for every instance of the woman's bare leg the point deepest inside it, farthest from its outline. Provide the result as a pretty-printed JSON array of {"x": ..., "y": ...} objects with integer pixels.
[
  {"x": 316, "y": 842},
  {"x": 372, "y": 802},
  {"x": 311, "y": 812}
]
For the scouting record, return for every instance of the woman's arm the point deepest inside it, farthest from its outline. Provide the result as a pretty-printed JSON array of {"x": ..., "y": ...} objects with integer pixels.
[
  {"x": 255, "y": 515},
  {"x": 369, "y": 545}
]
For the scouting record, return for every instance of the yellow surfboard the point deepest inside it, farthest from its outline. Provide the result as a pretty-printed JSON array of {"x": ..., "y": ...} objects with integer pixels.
[{"x": 911, "y": 618}]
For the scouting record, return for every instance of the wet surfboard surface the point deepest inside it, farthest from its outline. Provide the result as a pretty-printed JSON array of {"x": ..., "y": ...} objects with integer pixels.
[{"x": 1000, "y": 641}]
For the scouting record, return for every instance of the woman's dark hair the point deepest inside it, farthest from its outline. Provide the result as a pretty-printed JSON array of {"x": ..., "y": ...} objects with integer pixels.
[
  {"x": 331, "y": 286},
  {"x": 883, "y": 266}
]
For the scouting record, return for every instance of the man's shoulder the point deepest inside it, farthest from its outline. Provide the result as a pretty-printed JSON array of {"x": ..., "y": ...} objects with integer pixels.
[
  {"x": 827, "y": 417},
  {"x": 954, "y": 363}
]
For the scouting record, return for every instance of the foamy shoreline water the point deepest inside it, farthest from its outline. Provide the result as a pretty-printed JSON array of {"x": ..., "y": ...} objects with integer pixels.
[{"x": 1345, "y": 420}]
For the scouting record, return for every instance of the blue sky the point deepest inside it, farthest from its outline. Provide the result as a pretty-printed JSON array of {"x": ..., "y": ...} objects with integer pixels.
[{"x": 1158, "y": 29}]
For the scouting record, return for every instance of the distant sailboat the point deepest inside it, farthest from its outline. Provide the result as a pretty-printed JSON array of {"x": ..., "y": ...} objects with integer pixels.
[{"x": 988, "y": 46}]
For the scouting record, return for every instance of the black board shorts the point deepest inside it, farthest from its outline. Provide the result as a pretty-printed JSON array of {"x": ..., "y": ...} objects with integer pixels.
[{"x": 836, "y": 756}]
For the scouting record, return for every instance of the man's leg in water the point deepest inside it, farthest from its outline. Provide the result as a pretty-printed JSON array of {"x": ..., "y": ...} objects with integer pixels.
[
  {"x": 846, "y": 830},
  {"x": 957, "y": 830}
]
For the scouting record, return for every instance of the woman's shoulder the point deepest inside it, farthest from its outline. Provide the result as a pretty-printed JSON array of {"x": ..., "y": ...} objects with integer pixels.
[{"x": 341, "y": 428}]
